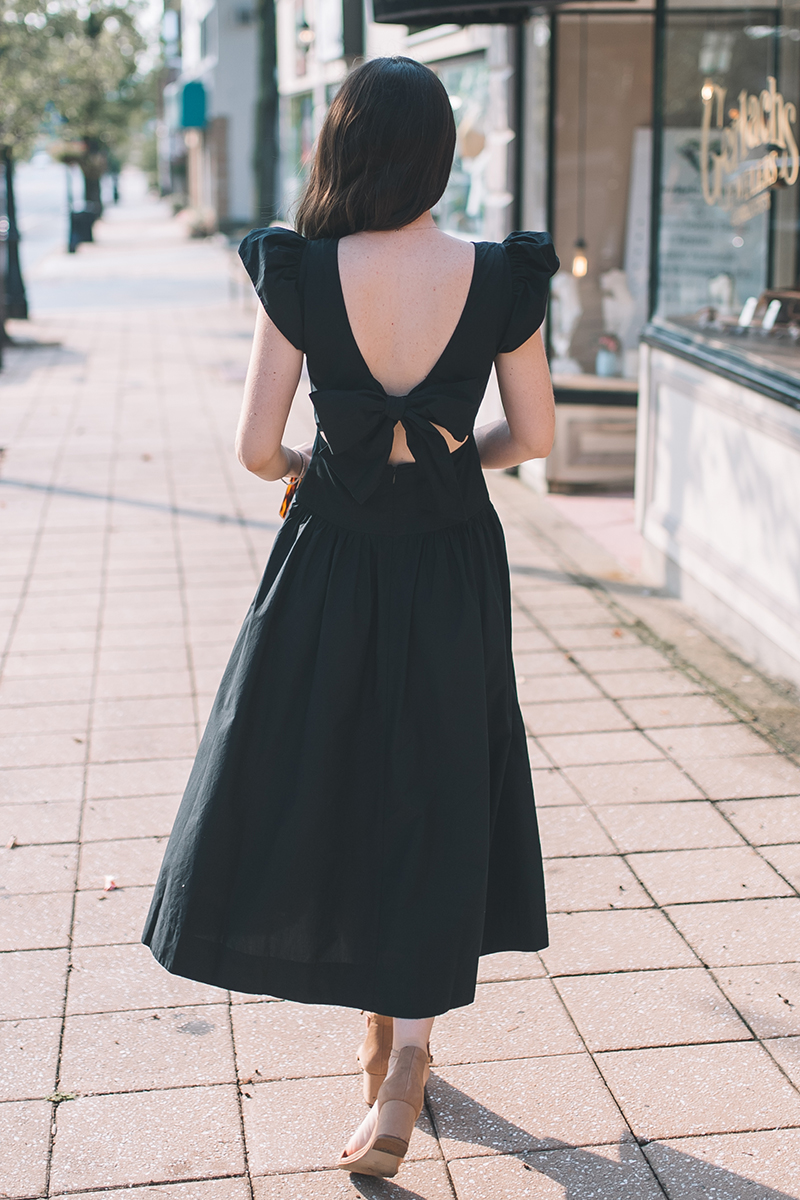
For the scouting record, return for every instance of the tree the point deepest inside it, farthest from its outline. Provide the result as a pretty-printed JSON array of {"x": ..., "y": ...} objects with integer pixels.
[
  {"x": 24, "y": 93},
  {"x": 98, "y": 91}
]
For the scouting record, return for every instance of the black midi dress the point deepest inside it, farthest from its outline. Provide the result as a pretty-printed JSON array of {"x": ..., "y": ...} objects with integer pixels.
[{"x": 359, "y": 824}]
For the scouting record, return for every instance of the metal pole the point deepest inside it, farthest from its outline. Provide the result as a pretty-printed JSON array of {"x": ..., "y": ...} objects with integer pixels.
[{"x": 266, "y": 150}]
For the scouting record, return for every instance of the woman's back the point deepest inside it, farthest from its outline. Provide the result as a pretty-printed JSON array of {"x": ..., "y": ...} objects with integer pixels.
[{"x": 404, "y": 292}]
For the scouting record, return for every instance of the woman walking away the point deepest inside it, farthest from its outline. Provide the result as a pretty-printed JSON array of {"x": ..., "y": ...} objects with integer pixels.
[{"x": 359, "y": 825}]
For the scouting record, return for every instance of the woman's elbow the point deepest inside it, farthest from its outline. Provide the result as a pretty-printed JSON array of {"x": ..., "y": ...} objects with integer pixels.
[
  {"x": 540, "y": 443},
  {"x": 255, "y": 461}
]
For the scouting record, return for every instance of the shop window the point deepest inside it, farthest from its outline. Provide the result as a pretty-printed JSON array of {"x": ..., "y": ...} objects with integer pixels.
[
  {"x": 601, "y": 196},
  {"x": 727, "y": 228},
  {"x": 462, "y": 208}
]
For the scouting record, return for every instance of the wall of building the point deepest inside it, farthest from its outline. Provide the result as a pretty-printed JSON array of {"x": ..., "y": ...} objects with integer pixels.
[{"x": 718, "y": 493}]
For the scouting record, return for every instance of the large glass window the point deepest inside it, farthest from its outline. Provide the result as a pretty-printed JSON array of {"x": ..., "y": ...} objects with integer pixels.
[
  {"x": 601, "y": 194},
  {"x": 462, "y": 208},
  {"x": 728, "y": 222}
]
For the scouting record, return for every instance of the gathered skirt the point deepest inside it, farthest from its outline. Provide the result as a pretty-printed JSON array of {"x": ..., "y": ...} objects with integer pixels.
[{"x": 359, "y": 824}]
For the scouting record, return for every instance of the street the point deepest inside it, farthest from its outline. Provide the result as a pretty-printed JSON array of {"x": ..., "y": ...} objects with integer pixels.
[{"x": 653, "y": 1050}]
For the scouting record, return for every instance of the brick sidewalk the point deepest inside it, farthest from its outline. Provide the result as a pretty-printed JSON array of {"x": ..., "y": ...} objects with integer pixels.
[{"x": 652, "y": 1050}]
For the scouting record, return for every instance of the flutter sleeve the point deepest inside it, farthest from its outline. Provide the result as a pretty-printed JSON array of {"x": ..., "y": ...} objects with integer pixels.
[
  {"x": 532, "y": 260},
  {"x": 273, "y": 258}
]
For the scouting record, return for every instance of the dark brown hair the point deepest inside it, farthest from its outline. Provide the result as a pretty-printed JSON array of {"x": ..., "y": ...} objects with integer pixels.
[{"x": 384, "y": 152}]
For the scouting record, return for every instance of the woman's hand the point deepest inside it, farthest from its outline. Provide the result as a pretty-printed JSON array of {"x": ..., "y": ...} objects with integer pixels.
[{"x": 527, "y": 394}]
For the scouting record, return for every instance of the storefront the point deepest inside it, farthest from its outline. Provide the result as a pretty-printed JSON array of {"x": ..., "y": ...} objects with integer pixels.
[{"x": 718, "y": 458}]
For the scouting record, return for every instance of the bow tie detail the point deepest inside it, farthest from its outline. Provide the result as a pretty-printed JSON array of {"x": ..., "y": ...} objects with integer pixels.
[{"x": 358, "y": 426}]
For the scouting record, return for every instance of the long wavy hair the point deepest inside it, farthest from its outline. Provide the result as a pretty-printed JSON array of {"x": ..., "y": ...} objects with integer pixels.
[{"x": 384, "y": 152}]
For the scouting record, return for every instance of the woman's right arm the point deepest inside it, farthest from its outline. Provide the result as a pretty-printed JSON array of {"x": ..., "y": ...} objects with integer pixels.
[
  {"x": 527, "y": 394},
  {"x": 272, "y": 378}
]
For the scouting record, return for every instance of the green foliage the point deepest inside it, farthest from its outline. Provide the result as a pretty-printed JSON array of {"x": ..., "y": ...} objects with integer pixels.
[
  {"x": 73, "y": 65},
  {"x": 25, "y": 37}
]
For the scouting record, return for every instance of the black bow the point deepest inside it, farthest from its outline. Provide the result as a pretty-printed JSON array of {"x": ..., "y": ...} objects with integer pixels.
[{"x": 359, "y": 428}]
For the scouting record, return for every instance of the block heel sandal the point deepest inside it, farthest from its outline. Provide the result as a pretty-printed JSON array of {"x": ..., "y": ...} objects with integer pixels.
[
  {"x": 400, "y": 1101},
  {"x": 373, "y": 1054}
]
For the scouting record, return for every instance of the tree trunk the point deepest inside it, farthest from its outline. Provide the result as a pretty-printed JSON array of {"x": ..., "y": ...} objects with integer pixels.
[
  {"x": 266, "y": 156},
  {"x": 91, "y": 194},
  {"x": 16, "y": 302}
]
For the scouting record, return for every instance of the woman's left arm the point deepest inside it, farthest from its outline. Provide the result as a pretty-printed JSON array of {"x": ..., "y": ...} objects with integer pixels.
[
  {"x": 527, "y": 394},
  {"x": 272, "y": 378}
]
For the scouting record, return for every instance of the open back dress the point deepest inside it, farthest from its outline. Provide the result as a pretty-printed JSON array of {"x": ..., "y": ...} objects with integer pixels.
[{"x": 359, "y": 824}]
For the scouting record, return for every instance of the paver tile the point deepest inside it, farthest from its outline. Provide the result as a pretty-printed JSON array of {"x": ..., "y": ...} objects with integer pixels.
[
  {"x": 162, "y": 742},
  {"x": 596, "y": 637},
  {"x": 22, "y": 785},
  {"x": 786, "y": 1052},
  {"x": 537, "y": 689},
  {"x": 510, "y": 964},
  {"x": 766, "y": 822},
  {"x": 572, "y": 830},
  {"x": 26, "y": 869},
  {"x": 103, "y": 918},
  {"x": 724, "y": 873},
  {"x": 145, "y": 1049},
  {"x": 141, "y": 816},
  {"x": 686, "y": 743},
  {"x": 126, "y": 976},
  {"x": 58, "y": 689},
  {"x": 622, "y": 684},
  {"x": 45, "y": 718},
  {"x": 119, "y": 685},
  {"x": 142, "y": 711},
  {"x": 569, "y": 616},
  {"x": 281, "y": 1138},
  {"x": 131, "y": 862},
  {"x": 291, "y": 1041},
  {"x": 45, "y": 666},
  {"x": 143, "y": 658},
  {"x": 622, "y": 658},
  {"x": 28, "y": 1057},
  {"x": 679, "y": 1091},
  {"x": 610, "y": 1172},
  {"x": 526, "y": 638},
  {"x": 551, "y": 788},
  {"x": 135, "y": 779},
  {"x": 578, "y": 716},
  {"x": 617, "y": 940},
  {"x": 29, "y": 824},
  {"x": 661, "y": 711},
  {"x": 740, "y": 932},
  {"x": 522, "y": 1105},
  {"x": 786, "y": 861},
  {"x": 415, "y": 1180},
  {"x": 747, "y": 776},
  {"x": 735, "y": 1166},
  {"x": 144, "y": 1137},
  {"x": 573, "y": 884},
  {"x": 683, "y": 825},
  {"x": 38, "y": 922},
  {"x": 580, "y": 749},
  {"x": 23, "y": 1147},
  {"x": 767, "y": 996},
  {"x": 636, "y": 1009},
  {"x": 536, "y": 757},
  {"x": 198, "y": 1189},
  {"x": 544, "y": 663},
  {"x": 632, "y": 783},
  {"x": 42, "y": 749},
  {"x": 32, "y": 984},
  {"x": 521, "y": 1019}
]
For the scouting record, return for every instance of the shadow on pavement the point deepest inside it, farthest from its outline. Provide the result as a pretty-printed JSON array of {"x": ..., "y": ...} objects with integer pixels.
[{"x": 582, "y": 1172}]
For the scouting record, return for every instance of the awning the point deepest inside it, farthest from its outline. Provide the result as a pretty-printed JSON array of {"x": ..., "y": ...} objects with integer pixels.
[
  {"x": 447, "y": 12},
  {"x": 458, "y": 12}
]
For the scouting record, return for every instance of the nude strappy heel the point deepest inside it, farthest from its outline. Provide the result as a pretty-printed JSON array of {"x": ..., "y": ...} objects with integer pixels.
[
  {"x": 373, "y": 1054},
  {"x": 400, "y": 1101}
]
